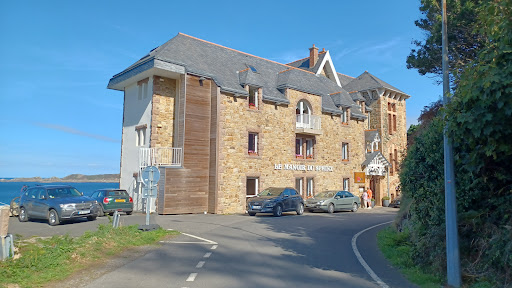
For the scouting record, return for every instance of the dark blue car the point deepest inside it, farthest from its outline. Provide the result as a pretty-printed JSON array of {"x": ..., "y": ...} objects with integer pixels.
[
  {"x": 276, "y": 200},
  {"x": 56, "y": 203}
]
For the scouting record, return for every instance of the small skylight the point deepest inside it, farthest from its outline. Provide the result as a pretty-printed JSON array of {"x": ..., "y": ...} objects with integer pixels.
[{"x": 252, "y": 68}]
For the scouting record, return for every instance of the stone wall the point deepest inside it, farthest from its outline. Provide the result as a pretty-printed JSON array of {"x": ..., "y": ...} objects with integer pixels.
[
  {"x": 275, "y": 125},
  {"x": 397, "y": 140},
  {"x": 162, "y": 124}
]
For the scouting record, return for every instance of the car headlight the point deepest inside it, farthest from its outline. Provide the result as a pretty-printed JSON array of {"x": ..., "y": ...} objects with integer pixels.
[
  {"x": 67, "y": 206},
  {"x": 270, "y": 204},
  {"x": 320, "y": 202}
]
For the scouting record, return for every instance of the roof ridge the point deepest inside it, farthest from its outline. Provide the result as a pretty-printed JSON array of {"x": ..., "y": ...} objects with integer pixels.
[
  {"x": 297, "y": 60},
  {"x": 346, "y": 75},
  {"x": 234, "y": 50}
]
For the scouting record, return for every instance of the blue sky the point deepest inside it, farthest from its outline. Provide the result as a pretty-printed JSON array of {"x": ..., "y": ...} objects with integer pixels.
[{"x": 58, "y": 118}]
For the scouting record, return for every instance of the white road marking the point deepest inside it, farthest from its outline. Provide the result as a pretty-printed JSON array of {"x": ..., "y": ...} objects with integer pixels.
[
  {"x": 200, "y": 264},
  {"x": 214, "y": 247},
  {"x": 191, "y": 277},
  {"x": 361, "y": 260},
  {"x": 207, "y": 255},
  {"x": 205, "y": 241}
]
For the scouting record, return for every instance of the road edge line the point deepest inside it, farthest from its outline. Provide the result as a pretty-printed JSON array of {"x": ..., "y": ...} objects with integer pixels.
[{"x": 361, "y": 260}]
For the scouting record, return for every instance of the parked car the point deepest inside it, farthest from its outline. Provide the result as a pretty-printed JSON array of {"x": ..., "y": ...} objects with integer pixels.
[
  {"x": 112, "y": 200},
  {"x": 395, "y": 203},
  {"x": 276, "y": 200},
  {"x": 330, "y": 201},
  {"x": 56, "y": 203}
]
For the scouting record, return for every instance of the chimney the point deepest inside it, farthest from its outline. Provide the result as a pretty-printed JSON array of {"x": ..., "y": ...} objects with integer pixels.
[{"x": 313, "y": 56}]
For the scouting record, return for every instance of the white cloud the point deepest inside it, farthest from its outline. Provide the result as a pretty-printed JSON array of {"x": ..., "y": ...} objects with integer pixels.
[{"x": 76, "y": 132}]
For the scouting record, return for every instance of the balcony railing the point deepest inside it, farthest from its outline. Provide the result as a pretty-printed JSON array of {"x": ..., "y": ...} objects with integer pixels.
[
  {"x": 161, "y": 156},
  {"x": 309, "y": 124}
]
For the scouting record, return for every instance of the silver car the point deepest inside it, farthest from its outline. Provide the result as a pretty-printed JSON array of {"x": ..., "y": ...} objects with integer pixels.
[
  {"x": 56, "y": 203},
  {"x": 333, "y": 200}
]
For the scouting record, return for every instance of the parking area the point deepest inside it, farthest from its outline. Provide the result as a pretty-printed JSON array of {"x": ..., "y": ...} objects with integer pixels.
[{"x": 77, "y": 227}]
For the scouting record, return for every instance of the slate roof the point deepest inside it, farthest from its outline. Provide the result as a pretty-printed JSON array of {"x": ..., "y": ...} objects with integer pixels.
[
  {"x": 231, "y": 69},
  {"x": 367, "y": 81},
  {"x": 369, "y": 135},
  {"x": 370, "y": 156},
  {"x": 304, "y": 63},
  {"x": 345, "y": 79}
]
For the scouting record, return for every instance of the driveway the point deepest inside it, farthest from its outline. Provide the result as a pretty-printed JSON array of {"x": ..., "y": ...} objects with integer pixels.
[{"x": 312, "y": 250}]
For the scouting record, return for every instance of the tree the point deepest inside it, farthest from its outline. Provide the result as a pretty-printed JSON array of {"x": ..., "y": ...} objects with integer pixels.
[
  {"x": 479, "y": 123},
  {"x": 464, "y": 41}
]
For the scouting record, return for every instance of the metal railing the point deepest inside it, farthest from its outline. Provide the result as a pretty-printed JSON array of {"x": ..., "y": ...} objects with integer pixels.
[
  {"x": 307, "y": 121},
  {"x": 160, "y": 156}
]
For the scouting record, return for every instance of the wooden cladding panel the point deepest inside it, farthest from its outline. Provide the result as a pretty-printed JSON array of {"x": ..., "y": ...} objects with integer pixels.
[{"x": 186, "y": 190}]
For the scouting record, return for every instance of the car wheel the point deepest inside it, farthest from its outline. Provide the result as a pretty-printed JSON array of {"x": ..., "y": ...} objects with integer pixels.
[
  {"x": 53, "y": 218},
  {"x": 300, "y": 209},
  {"x": 355, "y": 207},
  {"x": 91, "y": 218},
  {"x": 330, "y": 208},
  {"x": 278, "y": 210},
  {"x": 100, "y": 211},
  {"x": 23, "y": 217},
  {"x": 129, "y": 213},
  {"x": 251, "y": 213}
]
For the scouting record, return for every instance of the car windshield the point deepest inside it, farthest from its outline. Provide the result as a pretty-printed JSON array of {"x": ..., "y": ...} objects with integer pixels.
[
  {"x": 326, "y": 194},
  {"x": 117, "y": 193},
  {"x": 63, "y": 192},
  {"x": 271, "y": 192}
]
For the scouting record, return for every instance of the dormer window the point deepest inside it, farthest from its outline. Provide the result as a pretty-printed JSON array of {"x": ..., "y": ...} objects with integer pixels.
[
  {"x": 344, "y": 116},
  {"x": 253, "y": 98}
]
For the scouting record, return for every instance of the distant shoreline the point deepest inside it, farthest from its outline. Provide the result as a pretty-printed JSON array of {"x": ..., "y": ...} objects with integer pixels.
[{"x": 73, "y": 178}]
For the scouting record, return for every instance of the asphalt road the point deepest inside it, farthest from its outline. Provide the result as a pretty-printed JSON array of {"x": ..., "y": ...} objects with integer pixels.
[{"x": 312, "y": 250}]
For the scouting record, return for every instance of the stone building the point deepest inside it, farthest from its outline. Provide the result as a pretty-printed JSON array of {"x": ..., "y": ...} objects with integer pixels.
[{"x": 222, "y": 125}]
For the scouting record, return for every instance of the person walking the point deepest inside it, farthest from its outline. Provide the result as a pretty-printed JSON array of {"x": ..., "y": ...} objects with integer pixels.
[
  {"x": 365, "y": 199},
  {"x": 370, "y": 194}
]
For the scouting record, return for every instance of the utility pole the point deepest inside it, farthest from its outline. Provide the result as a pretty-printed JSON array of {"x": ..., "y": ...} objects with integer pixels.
[{"x": 452, "y": 235}]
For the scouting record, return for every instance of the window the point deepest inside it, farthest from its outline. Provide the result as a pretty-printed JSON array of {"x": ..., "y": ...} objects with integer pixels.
[
  {"x": 344, "y": 116},
  {"x": 143, "y": 88},
  {"x": 253, "y": 144},
  {"x": 309, "y": 188},
  {"x": 390, "y": 124},
  {"x": 140, "y": 135},
  {"x": 299, "y": 185},
  {"x": 251, "y": 187},
  {"x": 253, "y": 98},
  {"x": 346, "y": 184},
  {"x": 309, "y": 148},
  {"x": 298, "y": 148},
  {"x": 391, "y": 169},
  {"x": 303, "y": 112},
  {"x": 344, "y": 151},
  {"x": 304, "y": 147},
  {"x": 395, "y": 159},
  {"x": 394, "y": 123}
]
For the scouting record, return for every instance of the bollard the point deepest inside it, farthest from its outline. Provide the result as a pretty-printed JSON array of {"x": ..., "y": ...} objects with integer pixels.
[
  {"x": 115, "y": 221},
  {"x": 6, "y": 247},
  {"x": 4, "y": 220}
]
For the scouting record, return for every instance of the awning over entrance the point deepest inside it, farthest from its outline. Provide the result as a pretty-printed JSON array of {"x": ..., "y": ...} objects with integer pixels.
[{"x": 375, "y": 164}]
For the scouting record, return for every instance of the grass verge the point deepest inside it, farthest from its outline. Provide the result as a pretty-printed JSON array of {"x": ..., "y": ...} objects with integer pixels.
[
  {"x": 396, "y": 248},
  {"x": 43, "y": 260}
]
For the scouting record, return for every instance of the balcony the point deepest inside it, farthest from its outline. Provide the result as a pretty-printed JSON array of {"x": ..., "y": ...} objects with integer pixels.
[
  {"x": 161, "y": 156},
  {"x": 308, "y": 124}
]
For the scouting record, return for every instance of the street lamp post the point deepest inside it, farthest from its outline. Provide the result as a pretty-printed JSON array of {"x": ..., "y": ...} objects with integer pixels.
[{"x": 452, "y": 235}]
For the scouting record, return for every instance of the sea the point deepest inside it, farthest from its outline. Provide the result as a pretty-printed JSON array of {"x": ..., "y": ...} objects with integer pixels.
[{"x": 10, "y": 190}]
